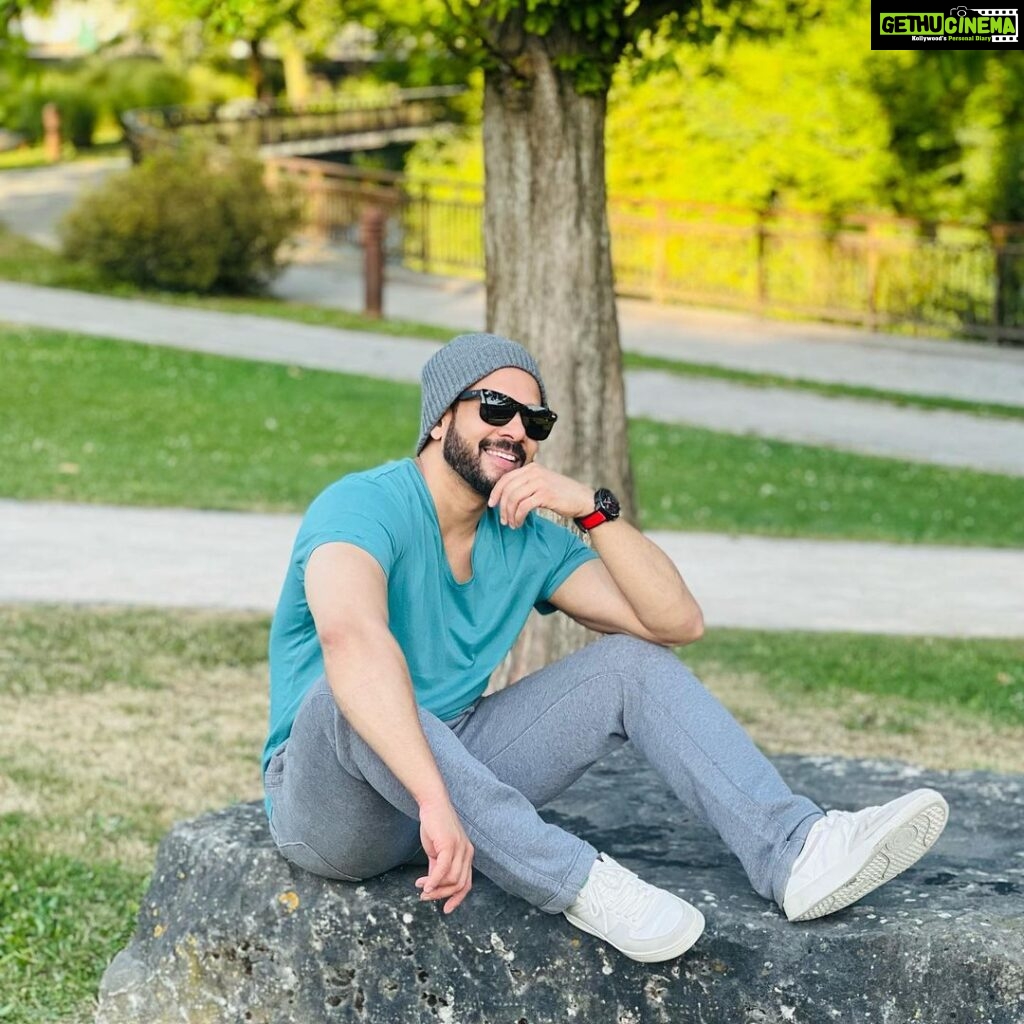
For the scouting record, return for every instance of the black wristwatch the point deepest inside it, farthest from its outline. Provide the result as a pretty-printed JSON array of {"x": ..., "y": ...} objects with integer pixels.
[{"x": 606, "y": 508}]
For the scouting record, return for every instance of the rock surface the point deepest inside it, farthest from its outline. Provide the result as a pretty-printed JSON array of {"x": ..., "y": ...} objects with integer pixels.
[{"x": 231, "y": 932}]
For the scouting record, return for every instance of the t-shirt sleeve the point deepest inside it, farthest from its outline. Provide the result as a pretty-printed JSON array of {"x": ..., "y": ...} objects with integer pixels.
[
  {"x": 566, "y": 553},
  {"x": 354, "y": 511}
]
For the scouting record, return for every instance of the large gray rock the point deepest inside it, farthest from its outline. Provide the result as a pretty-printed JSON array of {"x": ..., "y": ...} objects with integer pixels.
[{"x": 230, "y": 932}]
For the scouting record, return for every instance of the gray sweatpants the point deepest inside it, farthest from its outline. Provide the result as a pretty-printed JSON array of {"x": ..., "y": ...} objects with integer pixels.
[{"x": 339, "y": 812}]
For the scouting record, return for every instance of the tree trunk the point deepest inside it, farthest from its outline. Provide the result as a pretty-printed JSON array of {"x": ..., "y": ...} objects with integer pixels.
[
  {"x": 549, "y": 282},
  {"x": 296, "y": 73},
  {"x": 257, "y": 79}
]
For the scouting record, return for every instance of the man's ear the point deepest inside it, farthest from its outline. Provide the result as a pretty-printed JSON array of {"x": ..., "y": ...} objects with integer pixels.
[{"x": 437, "y": 431}]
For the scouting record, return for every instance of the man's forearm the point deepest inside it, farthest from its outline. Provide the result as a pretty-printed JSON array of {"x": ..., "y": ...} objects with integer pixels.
[
  {"x": 649, "y": 581},
  {"x": 371, "y": 685}
]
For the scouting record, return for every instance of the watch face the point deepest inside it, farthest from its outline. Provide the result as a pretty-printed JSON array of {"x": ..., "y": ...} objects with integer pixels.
[{"x": 606, "y": 502}]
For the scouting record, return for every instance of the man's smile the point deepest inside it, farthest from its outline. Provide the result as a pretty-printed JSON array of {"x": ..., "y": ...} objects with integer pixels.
[{"x": 504, "y": 457}]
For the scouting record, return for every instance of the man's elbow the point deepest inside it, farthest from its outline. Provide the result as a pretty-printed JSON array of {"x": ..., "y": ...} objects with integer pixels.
[
  {"x": 696, "y": 630},
  {"x": 688, "y": 631}
]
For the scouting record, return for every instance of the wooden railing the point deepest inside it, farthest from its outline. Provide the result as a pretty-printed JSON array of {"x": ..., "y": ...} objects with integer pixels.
[{"x": 875, "y": 271}]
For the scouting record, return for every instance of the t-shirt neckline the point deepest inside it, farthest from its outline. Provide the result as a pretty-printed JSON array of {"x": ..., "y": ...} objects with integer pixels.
[{"x": 421, "y": 483}]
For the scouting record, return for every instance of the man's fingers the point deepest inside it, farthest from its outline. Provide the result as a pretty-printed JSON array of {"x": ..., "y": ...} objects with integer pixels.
[
  {"x": 457, "y": 899},
  {"x": 449, "y": 883},
  {"x": 517, "y": 503},
  {"x": 438, "y": 871}
]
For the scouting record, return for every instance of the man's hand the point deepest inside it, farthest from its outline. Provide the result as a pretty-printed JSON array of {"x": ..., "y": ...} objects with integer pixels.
[
  {"x": 521, "y": 490},
  {"x": 449, "y": 853}
]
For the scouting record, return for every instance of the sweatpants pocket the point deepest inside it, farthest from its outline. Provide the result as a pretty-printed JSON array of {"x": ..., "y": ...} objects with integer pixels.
[{"x": 302, "y": 855}]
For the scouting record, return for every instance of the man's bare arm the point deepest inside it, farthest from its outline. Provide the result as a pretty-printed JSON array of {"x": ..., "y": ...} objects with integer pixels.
[
  {"x": 635, "y": 588},
  {"x": 347, "y": 595}
]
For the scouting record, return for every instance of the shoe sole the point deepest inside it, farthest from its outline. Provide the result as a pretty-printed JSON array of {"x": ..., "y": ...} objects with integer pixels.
[
  {"x": 674, "y": 949},
  {"x": 904, "y": 843}
]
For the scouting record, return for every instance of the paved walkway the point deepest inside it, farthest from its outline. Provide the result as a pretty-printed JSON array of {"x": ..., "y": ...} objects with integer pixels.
[
  {"x": 54, "y": 552},
  {"x": 873, "y": 428},
  {"x": 820, "y": 352},
  {"x": 33, "y": 200}
]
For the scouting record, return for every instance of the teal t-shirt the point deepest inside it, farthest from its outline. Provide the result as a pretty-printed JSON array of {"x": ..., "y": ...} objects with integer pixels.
[{"x": 453, "y": 635}]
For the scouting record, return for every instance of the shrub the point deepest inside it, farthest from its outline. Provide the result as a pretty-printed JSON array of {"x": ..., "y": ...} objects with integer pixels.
[
  {"x": 187, "y": 220},
  {"x": 207, "y": 85},
  {"x": 79, "y": 109},
  {"x": 134, "y": 82}
]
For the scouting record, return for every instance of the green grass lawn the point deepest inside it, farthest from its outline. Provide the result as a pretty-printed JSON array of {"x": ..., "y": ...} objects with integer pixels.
[
  {"x": 62, "y": 919},
  {"x": 25, "y": 157},
  {"x": 115, "y": 723},
  {"x": 25, "y": 261},
  {"x": 983, "y": 677},
  {"x": 93, "y": 420}
]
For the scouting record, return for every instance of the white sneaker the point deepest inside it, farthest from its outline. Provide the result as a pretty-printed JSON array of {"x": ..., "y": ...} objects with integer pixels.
[
  {"x": 640, "y": 920},
  {"x": 848, "y": 854}
]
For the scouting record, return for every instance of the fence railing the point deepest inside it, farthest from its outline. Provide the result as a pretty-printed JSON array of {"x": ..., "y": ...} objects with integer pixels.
[{"x": 874, "y": 271}]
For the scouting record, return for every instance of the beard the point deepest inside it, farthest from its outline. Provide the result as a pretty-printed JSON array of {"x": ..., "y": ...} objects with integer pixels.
[{"x": 469, "y": 464}]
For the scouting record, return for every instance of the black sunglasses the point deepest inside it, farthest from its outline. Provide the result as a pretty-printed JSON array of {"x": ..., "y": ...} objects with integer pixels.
[{"x": 498, "y": 409}]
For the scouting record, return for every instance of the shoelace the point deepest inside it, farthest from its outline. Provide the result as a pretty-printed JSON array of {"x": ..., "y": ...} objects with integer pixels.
[
  {"x": 621, "y": 893},
  {"x": 849, "y": 825}
]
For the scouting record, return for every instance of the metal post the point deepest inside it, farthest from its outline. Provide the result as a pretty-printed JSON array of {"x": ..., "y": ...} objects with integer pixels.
[
  {"x": 999, "y": 235},
  {"x": 762, "y": 257},
  {"x": 872, "y": 242},
  {"x": 659, "y": 289},
  {"x": 765, "y": 216},
  {"x": 372, "y": 236},
  {"x": 51, "y": 132}
]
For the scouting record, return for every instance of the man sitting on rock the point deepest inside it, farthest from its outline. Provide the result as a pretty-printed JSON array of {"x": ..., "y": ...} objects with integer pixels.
[{"x": 409, "y": 583}]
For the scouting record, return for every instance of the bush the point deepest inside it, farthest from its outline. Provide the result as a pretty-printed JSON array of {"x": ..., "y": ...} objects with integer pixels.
[
  {"x": 184, "y": 221},
  {"x": 79, "y": 109},
  {"x": 135, "y": 82}
]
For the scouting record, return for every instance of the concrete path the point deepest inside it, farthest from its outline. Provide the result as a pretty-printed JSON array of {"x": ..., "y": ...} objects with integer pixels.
[
  {"x": 870, "y": 428},
  {"x": 737, "y": 341},
  {"x": 95, "y": 554},
  {"x": 33, "y": 200},
  {"x": 943, "y": 438}
]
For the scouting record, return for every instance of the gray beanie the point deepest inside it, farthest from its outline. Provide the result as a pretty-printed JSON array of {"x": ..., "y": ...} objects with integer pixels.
[{"x": 462, "y": 362}]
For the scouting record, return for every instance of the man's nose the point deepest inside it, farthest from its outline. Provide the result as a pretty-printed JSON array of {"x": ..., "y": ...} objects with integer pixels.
[{"x": 514, "y": 429}]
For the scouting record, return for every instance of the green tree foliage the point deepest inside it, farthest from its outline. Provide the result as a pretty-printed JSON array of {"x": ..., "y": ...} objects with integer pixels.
[
  {"x": 184, "y": 221},
  {"x": 299, "y": 28},
  {"x": 128, "y": 84},
  {"x": 11, "y": 11},
  {"x": 86, "y": 94},
  {"x": 807, "y": 120},
  {"x": 791, "y": 120}
]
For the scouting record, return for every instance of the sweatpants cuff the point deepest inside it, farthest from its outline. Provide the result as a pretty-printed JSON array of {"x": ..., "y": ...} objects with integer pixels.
[
  {"x": 788, "y": 853},
  {"x": 569, "y": 888}
]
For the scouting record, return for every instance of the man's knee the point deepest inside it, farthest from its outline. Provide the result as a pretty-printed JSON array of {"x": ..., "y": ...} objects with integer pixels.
[{"x": 637, "y": 656}]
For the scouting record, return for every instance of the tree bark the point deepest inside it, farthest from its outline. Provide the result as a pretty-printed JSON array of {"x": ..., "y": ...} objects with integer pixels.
[
  {"x": 549, "y": 280},
  {"x": 257, "y": 79},
  {"x": 296, "y": 74}
]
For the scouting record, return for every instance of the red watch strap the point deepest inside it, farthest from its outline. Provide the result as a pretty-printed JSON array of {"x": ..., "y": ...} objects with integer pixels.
[{"x": 595, "y": 518}]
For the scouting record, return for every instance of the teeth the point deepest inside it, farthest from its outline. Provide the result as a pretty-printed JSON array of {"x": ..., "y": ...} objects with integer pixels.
[{"x": 504, "y": 455}]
